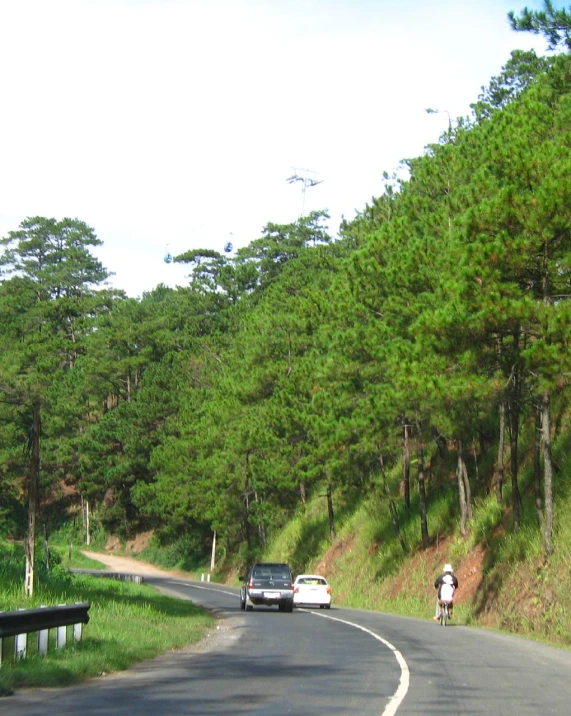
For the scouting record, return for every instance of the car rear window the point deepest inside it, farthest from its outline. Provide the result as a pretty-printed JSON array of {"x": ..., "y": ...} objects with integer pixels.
[
  {"x": 312, "y": 580},
  {"x": 275, "y": 572}
]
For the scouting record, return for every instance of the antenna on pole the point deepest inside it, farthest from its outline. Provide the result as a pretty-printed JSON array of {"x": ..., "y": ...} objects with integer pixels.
[{"x": 307, "y": 181}]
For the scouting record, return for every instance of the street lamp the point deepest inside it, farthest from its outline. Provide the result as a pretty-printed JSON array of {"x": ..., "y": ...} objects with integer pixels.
[{"x": 429, "y": 110}]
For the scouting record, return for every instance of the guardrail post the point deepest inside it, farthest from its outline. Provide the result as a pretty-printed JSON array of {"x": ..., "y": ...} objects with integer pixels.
[
  {"x": 61, "y": 634},
  {"x": 208, "y": 577},
  {"x": 77, "y": 629},
  {"x": 43, "y": 636},
  {"x": 61, "y": 637},
  {"x": 202, "y": 577},
  {"x": 20, "y": 643}
]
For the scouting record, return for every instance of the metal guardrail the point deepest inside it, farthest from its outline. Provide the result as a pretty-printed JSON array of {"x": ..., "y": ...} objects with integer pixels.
[
  {"x": 27, "y": 621},
  {"x": 136, "y": 578}
]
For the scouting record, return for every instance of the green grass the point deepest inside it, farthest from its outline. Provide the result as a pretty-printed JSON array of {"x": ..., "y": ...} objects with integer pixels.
[
  {"x": 77, "y": 560},
  {"x": 128, "y": 623}
]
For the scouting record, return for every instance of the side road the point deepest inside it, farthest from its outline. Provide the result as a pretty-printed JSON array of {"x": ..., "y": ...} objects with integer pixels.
[{"x": 129, "y": 565}]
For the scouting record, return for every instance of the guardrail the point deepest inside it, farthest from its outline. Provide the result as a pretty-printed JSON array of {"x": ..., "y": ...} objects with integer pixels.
[
  {"x": 136, "y": 578},
  {"x": 27, "y": 621}
]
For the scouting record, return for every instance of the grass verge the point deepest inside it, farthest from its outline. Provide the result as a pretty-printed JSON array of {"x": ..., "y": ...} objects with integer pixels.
[{"x": 128, "y": 623}]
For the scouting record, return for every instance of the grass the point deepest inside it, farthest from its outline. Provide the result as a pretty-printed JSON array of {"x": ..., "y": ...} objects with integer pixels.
[
  {"x": 128, "y": 623},
  {"x": 76, "y": 560}
]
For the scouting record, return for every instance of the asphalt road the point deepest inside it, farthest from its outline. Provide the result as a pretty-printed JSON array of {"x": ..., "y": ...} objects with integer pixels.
[{"x": 338, "y": 662}]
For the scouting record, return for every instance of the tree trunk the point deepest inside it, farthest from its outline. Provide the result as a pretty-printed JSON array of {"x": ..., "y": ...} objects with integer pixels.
[
  {"x": 262, "y": 534},
  {"x": 537, "y": 448},
  {"x": 87, "y": 532},
  {"x": 514, "y": 435},
  {"x": 33, "y": 491},
  {"x": 302, "y": 493},
  {"x": 467, "y": 492},
  {"x": 46, "y": 548},
  {"x": 422, "y": 488},
  {"x": 392, "y": 507},
  {"x": 461, "y": 490},
  {"x": 547, "y": 473},
  {"x": 330, "y": 511},
  {"x": 500, "y": 463},
  {"x": 406, "y": 465}
]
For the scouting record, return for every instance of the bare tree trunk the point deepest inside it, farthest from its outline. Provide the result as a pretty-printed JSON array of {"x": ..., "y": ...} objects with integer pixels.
[
  {"x": 500, "y": 463},
  {"x": 87, "y": 532},
  {"x": 392, "y": 507},
  {"x": 262, "y": 534},
  {"x": 467, "y": 492},
  {"x": 476, "y": 471},
  {"x": 302, "y": 493},
  {"x": 46, "y": 548},
  {"x": 422, "y": 488},
  {"x": 537, "y": 448},
  {"x": 547, "y": 473},
  {"x": 33, "y": 492},
  {"x": 461, "y": 491},
  {"x": 514, "y": 435},
  {"x": 330, "y": 511},
  {"x": 406, "y": 465}
]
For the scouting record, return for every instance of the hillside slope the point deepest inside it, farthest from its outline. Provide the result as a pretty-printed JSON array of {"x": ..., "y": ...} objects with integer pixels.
[{"x": 506, "y": 582}]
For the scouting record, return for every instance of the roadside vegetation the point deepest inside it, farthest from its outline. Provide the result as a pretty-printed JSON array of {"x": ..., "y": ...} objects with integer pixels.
[{"x": 127, "y": 624}]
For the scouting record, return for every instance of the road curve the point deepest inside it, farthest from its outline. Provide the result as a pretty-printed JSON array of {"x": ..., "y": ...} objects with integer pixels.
[{"x": 340, "y": 661}]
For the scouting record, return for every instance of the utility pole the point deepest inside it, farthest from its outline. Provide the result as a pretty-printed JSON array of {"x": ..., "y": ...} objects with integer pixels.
[
  {"x": 307, "y": 181},
  {"x": 213, "y": 554}
]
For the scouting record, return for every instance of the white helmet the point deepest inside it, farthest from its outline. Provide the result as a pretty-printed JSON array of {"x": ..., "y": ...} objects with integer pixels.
[{"x": 448, "y": 569}]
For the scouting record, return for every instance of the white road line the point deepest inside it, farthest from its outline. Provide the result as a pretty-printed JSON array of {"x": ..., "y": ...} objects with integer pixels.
[
  {"x": 206, "y": 589},
  {"x": 397, "y": 698}
]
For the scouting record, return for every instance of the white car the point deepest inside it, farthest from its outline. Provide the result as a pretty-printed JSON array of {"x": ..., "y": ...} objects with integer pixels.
[{"x": 311, "y": 590}]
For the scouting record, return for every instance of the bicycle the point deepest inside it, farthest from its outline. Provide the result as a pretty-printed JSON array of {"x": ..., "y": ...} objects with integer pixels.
[{"x": 444, "y": 613}]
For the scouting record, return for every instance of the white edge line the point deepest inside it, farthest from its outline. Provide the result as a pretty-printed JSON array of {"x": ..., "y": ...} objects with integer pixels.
[
  {"x": 206, "y": 589},
  {"x": 398, "y": 697}
]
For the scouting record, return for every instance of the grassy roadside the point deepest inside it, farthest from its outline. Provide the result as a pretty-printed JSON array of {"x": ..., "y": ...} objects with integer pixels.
[{"x": 128, "y": 623}]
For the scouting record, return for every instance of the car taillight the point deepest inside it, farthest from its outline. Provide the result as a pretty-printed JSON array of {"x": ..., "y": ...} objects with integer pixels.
[
  {"x": 251, "y": 585},
  {"x": 296, "y": 590},
  {"x": 328, "y": 590}
]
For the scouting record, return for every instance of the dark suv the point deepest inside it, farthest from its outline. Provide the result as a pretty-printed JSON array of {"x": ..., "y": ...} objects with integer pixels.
[{"x": 267, "y": 583}]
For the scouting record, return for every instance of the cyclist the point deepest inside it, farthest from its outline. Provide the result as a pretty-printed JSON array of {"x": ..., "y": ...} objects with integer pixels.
[{"x": 446, "y": 584}]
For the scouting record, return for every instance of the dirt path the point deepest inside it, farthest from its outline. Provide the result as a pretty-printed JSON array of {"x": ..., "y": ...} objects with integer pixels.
[{"x": 128, "y": 565}]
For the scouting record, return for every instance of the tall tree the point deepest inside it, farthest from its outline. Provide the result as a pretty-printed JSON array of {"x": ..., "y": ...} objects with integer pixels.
[{"x": 47, "y": 300}]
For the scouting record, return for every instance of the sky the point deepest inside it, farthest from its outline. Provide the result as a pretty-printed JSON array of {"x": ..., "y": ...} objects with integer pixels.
[{"x": 170, "y": 125}]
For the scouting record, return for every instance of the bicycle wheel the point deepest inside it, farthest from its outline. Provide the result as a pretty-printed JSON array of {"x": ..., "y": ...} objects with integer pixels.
[{"x": 443, "y": 614}]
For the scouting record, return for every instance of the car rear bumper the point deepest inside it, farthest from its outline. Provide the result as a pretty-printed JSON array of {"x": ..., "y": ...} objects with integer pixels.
[
  {"x": 307, "y": 600},
  {"x": 266, "y": 596}
]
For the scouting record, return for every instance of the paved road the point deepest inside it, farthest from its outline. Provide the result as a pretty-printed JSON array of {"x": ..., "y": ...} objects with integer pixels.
[{"x": 340, "y": 661}]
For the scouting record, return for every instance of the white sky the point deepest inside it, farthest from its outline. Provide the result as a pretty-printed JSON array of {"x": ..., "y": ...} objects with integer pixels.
[{"x": 174, "y": 124}]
